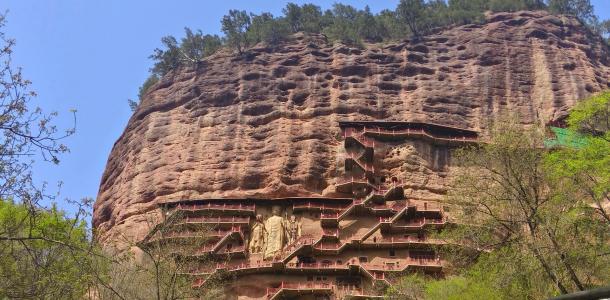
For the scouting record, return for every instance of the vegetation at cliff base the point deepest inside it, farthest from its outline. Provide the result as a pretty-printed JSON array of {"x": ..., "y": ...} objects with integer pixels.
[{"x": 531, "y": 222}]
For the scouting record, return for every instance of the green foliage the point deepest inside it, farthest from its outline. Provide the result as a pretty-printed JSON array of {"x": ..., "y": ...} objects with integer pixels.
[
  {"x": 235, "y": 26},
  {"x": 586, "y": 169},
  {"x": 193, "y": 47},
  {"x": 582, "y": 9},
  {"x": 531, "y": 222},
  {"x": 344, "y": 24},
  {"x": 413, "y": 14},
  {"x": 410, "y": 287},
  {"x": 265, "y": 28},
  {"x": 150, "y": 81},
  {"x": 42, "y": 254},
  {"x": 460, "y": 288},
  {"x": 307, "y": 17},
  {"x": 604, "y": 29},
  {"x": 516, "y": 5}
]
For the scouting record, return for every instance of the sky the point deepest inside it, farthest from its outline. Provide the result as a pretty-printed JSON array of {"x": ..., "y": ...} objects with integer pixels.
[{"x": 93, "y": 55}]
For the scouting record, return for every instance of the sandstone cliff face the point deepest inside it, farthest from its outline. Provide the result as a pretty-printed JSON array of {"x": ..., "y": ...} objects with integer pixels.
[{"x": 266, "y": 124}]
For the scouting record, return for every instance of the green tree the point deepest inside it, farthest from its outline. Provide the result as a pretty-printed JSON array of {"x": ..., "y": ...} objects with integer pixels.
[
  {"x": 195, "y": 46},
  {"x": 508, "y": 200},
  {"x": 166, "y": 59},
  {"x": 311, "y": 18},
  {"x": 413, "y": 13},
  {"x": 367, "y": 26},
  {"x": 266, "y": 28},
  {"x": 344, "y": 24},
  {"x": 235, "y": 26},
  {"x": 585, "y": 170},
  {"x": 466, "y": 11},
  {"x": 516, "y": 5},
  {"x": 393, "y": 29},
  {"x": 154, "y": 267},
  {"x": 582, "y": 9},
  {"x": 148, "y": 83},
  {"x": 605, "y": 30},
  {"x": 306, "y": 18},
  {"x": 293, "y": 15},
  {"x": 43, "y": 253}
]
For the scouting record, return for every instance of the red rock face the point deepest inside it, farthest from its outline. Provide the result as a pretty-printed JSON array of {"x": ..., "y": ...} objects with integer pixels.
[{"x": 265, "y": 124}]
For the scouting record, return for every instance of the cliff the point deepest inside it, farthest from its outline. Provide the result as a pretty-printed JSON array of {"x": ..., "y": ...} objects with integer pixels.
[{"x": 265, "y": 124}]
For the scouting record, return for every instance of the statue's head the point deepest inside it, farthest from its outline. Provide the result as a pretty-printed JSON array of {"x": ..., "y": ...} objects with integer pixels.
[
  {"x": 293, "y": 218},
  {"x": 259, "y": 218},
  {"x": 276, "y": 210}
]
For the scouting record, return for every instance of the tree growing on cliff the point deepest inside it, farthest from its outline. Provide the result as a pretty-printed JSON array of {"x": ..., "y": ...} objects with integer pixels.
[
  {"x": 413, "y": 14},
  {"x": 582, "y": 9},
  {"x": 266, "y": 28},
  {"x": 235, "y": 27}
]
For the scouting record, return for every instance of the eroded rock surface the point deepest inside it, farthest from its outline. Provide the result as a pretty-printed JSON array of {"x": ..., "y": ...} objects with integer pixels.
[{"x": 266, "y": 124}]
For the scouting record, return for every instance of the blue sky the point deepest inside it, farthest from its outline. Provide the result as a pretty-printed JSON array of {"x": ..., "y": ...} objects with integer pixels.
[{"x": 93, "y": 55}]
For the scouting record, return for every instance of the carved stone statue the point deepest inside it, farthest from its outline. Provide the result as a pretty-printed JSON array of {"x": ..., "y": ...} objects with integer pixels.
[
  {"x": 293, "y": 228},
  {"x": 257, "y": 236},
  {"x": 276, "y": 234}
]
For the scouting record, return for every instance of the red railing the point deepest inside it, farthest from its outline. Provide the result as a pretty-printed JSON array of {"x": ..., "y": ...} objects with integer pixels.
[
  {"x": 321, "y": 206},
  {"x": 359, "y": 137},
  {"x": 216, "y": 219},
  {"x": 424, "y": 220},
  {"x": 330, "y": 232},
  {"x": 420, "y": 260},
  {"x": 399, "y": 239},
  {"x": 238, "y": 249},
  {"x": 429, "y": 206},
  {"x": 224, "y": 206},
  {"x": 317, "y": 265},
  {"x": 395, "y": 207},
  {"x": 364, "y": 166},
  {"x": 298, "y": 286},
  {"x": 224, "y": 266},
  {"x": 421, "y": 132},
  {"x": 329, "y": 246},
  {"x": 329, "y": 215}
]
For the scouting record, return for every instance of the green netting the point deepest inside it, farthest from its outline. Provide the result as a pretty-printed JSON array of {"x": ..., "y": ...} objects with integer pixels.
[{"x": 564, "y": 137}]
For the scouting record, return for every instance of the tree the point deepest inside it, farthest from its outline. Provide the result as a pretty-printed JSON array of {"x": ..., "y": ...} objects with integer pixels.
[
  {"x": 266, "y": 28},
  {"x": 413, "y": 14},
  {"x": 166, "y": 59},
  {"x": 311, "y": 18},
  {"x": 582, "y": 9},
  {"x": 605, "y": 30},
  {"x": 516, "y": 5},
  {"x": 306, "y": 18},
  {"x": 367, "y": 26},
  {"x": 196, "y": 46},
  {"x": 392, "y": 28},
  {"x": 25, "y": 131},
  {"x": 235, "y": 26},
  {"x": 43, "y": 253},
  {"x": 150, "y": 81},
  {"x": 155, "y": 267},
  {"x": 510, "y": 202},
  {"x": 586, "y": 169},
  {"x": 344, "y": 24},
  {"x": 293, "y": 15}
]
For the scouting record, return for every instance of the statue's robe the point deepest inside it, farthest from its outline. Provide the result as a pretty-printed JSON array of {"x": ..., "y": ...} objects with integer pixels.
[
  {"x": 257, "y": 238},
  {"x": 276, "y": 236}
]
